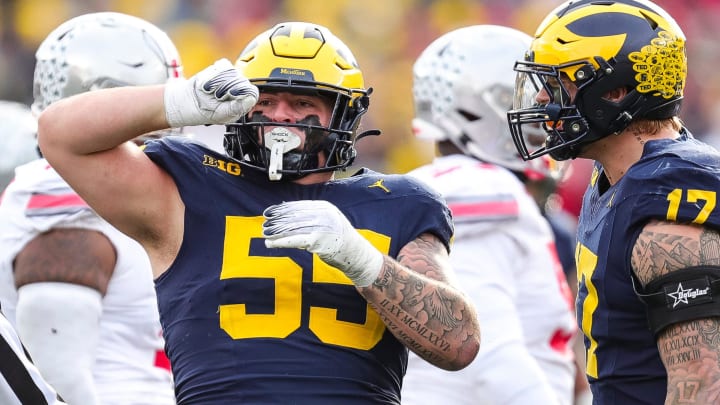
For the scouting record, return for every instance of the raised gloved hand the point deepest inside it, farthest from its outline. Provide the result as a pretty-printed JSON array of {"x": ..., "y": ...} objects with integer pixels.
[
  {"x": 216, "y": 95},
  {"x": 319, "y": 227}
]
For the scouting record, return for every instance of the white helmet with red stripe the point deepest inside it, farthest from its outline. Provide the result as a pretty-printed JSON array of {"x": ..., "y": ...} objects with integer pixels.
[
  {"x": 76, "y": 57},
  {"x": 463, "y": 85}
]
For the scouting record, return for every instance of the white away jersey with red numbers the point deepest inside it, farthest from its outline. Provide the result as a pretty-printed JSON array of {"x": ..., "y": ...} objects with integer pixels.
[
  {"x": 504, "y": 259},
  {"x": 130, "y": 367}
]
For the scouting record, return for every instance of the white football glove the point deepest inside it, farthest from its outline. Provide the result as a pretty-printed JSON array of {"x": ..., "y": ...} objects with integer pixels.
[
  {"x": 219, "y": 94},
  {"x": 319, "y": 227}
]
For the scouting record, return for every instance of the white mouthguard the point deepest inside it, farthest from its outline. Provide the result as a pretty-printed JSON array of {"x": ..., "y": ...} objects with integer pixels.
[{"x": 279, "y": 141}]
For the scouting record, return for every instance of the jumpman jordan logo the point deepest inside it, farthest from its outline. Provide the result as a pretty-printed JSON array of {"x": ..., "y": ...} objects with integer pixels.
[{"x": 379, "y": 184}]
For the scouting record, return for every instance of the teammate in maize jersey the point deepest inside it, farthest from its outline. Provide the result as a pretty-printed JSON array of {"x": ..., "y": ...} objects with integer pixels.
[
  {"x": 78, "y": 291},
  {"x": 277, "y": 283},
  {"x": 504, "y": 252},
  {"x": 605, "y": 79}
]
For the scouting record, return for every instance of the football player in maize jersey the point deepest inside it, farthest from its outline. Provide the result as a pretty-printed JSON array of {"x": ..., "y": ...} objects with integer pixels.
[
  {"x": 504, "y": 252},
  {"x": 277, "y": 283},
  {"x": 606, "y": 80},
  {"x": 78, "y": 291}
]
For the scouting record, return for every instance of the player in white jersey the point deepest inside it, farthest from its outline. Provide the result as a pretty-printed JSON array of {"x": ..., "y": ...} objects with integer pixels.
[
  {"x": 504, "y": 253},
  {"x": 18, "y": 127},
  {"x": 80, "y": 293},
  {"x": 128, "y": 364}
]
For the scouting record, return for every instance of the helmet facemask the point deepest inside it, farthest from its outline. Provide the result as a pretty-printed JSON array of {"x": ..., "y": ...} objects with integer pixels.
[
  {"x": 259, "y": 143},
  {"x": 626, "y": 60},
  {"x": 300, "y": 58},
  {"x": 560, "y": 118}
]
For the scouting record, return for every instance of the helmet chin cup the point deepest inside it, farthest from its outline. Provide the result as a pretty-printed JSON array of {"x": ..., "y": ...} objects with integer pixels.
[{"x": 279, "y": 141}]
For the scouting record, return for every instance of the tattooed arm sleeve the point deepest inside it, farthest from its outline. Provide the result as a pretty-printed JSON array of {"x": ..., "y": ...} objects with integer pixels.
[
  {"x": 689, "y": 350},
  {"x": 418, "y": 304}
]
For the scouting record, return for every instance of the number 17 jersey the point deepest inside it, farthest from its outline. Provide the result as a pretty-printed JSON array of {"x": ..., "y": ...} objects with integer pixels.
[{"x": 676, "y": 180}]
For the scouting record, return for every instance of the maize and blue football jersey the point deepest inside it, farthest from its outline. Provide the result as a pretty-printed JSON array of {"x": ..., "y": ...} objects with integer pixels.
[
  {"x": 675, "y": 180},
  {"x": 248, "y": 324}
]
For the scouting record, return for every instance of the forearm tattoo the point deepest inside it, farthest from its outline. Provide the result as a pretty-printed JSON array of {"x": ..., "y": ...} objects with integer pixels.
[
  {"x": 425, "y": 315},
  {"x": 691, "y": 354}
]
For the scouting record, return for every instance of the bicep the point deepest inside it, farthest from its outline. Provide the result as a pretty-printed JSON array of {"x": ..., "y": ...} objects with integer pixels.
[
  {"x": 427, "y": 255},
  {"x": 125, "y": 187},
  {"x": 71, "y": 255},
  {"x": 663, "y": 247}
]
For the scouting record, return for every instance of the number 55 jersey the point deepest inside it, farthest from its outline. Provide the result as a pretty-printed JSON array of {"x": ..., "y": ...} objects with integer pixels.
[
  {"x": 675, "y": 180},
  {"x": 248, "y": 324}
]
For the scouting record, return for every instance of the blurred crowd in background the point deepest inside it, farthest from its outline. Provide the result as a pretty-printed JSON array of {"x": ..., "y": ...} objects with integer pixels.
[{"x": 385, "y": 35}]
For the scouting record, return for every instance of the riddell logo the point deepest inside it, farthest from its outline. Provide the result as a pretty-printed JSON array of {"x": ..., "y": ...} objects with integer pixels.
[{"x": 685, "y": 295}]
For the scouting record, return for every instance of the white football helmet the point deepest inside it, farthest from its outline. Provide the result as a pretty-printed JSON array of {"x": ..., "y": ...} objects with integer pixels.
[
  {"x": 18, "y": 129},
  {"x": 463, "y": 86},
  {"x": 101, "y": 50}
]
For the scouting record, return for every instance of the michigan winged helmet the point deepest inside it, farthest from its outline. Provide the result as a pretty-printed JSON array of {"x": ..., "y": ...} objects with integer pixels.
[
  {"x": 599, "y": 46},
  {"x": 307, "y": 58}
]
